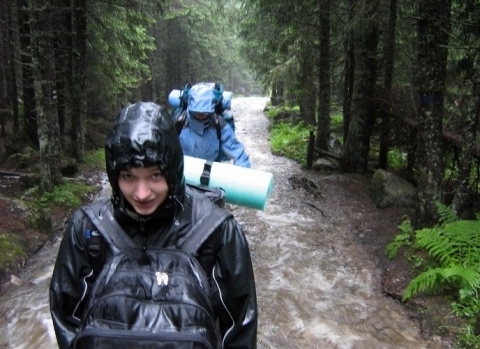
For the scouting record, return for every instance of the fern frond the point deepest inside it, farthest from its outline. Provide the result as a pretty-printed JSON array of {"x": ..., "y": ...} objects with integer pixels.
[
  {"x": 466, "y": 280},
  {"x": 406, "y": 226},
  {"x": 399, "y": 241},
  {"x": 464, "y": 239},
  {"x": 454, "y": 249},
  {"x": 470, "y": 295},
  {"x": 454, "y": 243},
  {"x": 445, "y": 213},
  {"x": 434, "y": 242},
  {"x": 404, "y": 238},
  {"x": 424, "y": 282}
]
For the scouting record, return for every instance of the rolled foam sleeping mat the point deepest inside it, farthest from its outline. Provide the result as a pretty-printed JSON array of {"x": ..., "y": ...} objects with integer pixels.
[
  {"x": 227, "y": 99},
  {"x": 243, "y": 186},
  {"x": 174, "y": 98}
]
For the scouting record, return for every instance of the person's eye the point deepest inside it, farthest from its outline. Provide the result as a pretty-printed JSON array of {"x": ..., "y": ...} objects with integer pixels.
[
  {"x": 126, "y": 176},
  {"x": 158, "y": 176}
]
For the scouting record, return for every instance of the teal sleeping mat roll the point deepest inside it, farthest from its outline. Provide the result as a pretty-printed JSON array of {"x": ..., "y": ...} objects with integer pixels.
[{"x": 243, "y": 186}]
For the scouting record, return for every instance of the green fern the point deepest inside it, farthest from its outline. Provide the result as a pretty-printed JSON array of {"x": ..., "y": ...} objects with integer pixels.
[
  {"x": 454, "y": 243},
  {"x": 428, "y": 281},
  {"x": 403, "y": 239},
  {"x": 455, "y": 250},
  {"x": 445, "y": 213},
  {"x": 435, "y": 279}
]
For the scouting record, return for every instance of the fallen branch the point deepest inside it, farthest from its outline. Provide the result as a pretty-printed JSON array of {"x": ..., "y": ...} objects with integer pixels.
[{"x": 11, "y": 174}]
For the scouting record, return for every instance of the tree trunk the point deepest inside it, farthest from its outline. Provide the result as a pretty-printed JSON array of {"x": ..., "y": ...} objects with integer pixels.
[
  {"x": 3, "y": 52},
  {"x": 278, "y": 97},
  {"x": 14, "y": 67},
  {"x": 158, "y": 61},
  {"x": 433, "y": 27},
  {"x": 323, "y": 124},
  {"x": 310, "y": 149},
  {"x": 389, "y": 57},
  {"x": 461, "y": 203},
  {"x": 357, "y": 143},
  {"x": 8, "y": 83},
  {"x": 45, "y": 91},
  {"x": 63, "y": 54},
  {"x": 79, "y": 101},
  {"x": 28, "y": 93},
  {"x": 349, "y": 72},
  {"x": 462, "y": 199},
  {"x": 307, "y": 86}
]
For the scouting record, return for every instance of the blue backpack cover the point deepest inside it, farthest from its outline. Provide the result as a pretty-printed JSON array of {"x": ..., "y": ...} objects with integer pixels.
[{"x": 204, "y": 97}]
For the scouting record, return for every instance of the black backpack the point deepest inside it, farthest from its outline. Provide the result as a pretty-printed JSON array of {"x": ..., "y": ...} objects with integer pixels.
[{"x": 154, "y": 298}]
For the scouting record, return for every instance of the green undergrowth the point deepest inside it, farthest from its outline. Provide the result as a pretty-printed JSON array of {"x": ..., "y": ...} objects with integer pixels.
[
  {"x": 288, "y": 134},
  {"x": 65, "y": 196},
  {"x": 290, "y": 141},
  {"x": 95, "y": 159},
  {"x": 11, "y": 250},
  {"x": 447, "y": 260},
  {"x": 68, "y": 195}
]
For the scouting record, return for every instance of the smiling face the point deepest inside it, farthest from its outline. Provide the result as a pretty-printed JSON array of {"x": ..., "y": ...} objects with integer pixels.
[{"x": 145, "y": 188}]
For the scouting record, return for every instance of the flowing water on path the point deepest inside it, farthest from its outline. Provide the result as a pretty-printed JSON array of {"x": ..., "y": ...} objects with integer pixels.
[{"x": 316, "y": 289}]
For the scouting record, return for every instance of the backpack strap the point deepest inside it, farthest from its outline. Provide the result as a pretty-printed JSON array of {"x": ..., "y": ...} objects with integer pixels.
[
  {"x": 206, "y": 217},
  {"x": 102, "y": 218},
  {"x": 218, "y": 122},
  {"x": 214, "y": 194},
  {"x": 180, "y": 119},
  {"x": 205, "y": 177}
]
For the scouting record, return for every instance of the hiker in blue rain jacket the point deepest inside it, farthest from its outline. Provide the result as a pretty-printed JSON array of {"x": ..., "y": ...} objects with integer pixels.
[{"x": 205, "y": 135}]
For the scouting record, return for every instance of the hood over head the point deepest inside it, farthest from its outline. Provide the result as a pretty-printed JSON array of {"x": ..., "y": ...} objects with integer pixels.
[
  {"x": 204, "y": 97},
  {"x": 144, "y": 135}
]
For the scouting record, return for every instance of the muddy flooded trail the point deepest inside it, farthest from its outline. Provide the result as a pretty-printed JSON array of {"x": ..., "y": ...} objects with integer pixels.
[{"x": 317, "y": 286}]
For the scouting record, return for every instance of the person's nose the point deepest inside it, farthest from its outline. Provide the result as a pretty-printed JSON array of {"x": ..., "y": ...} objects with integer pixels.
[{"x": 142, "y": 191}]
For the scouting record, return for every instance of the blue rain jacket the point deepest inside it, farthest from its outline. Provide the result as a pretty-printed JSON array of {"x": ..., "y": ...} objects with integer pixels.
[{"x": 199, "y": 139}]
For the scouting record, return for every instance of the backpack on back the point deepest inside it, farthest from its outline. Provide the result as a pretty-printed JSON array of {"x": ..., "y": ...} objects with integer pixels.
[
  {"x": 221, "y": 100},
  {"x": 154, "y": 298}
]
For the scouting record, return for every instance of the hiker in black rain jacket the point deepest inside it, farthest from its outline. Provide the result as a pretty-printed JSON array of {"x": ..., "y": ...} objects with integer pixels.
[{"x": 144, "y": 138}]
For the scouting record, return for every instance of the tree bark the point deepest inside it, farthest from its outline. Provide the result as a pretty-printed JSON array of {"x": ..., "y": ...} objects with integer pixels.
[
  {"x": 79, "y": 97},
  {"x": 3, "y": 53},
  {"x": 323, "y": 124},
  {"x": 386, "y": 112},
  {"x": 433, "y": 27},
  {"x": 14, "y": 66},
  {"x": 45, "y": 92},
  {"x": 28, "y": 94},
  {"x": 461, "y": 202},
  {"x": 349, "y": 71},
  {"x": 357, "y": 143},
  {"x": 307, "y": 98}
]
